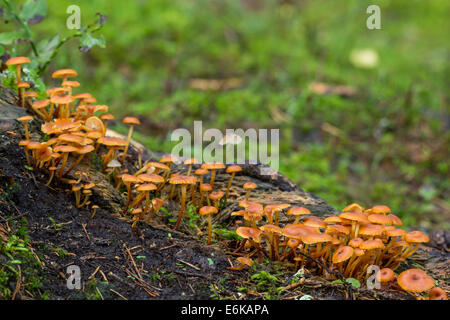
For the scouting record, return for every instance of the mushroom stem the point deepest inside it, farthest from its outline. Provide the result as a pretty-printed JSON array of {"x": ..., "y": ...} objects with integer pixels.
[
  {"x": 63, "y": 164},
  {"x": 247, "y": 194},
  {"x": 183, "y": 202},
  {"x": 209, "y": 228},
  {"x": 130, "y": 132},
  {"x": 213, "y": 176},
  {"x": 229, "y": 185},
  {"x": 128, "y": 185},
  {"x": 74, "y": 164}
]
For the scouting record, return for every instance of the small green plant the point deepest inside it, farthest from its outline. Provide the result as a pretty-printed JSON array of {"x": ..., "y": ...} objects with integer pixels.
[{"x": 42, "y": 52}]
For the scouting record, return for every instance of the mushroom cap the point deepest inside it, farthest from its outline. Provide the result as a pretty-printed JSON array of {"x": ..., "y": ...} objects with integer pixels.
[
  {"x": 270, "y": 228},
  {"x": 40, "y": 104},
  {"x": 64, "y": 73},
  {"x": 128, "y": 178},
  {"x": 131, "y": 120},
  {"x": 82, "y": 96},
  {"x": 25, "y": 118},
  {"x": 64, "y": 148},
  {"x": 372, "y": 244},
  {"x": 371, "y": 230},
  {"x": 23, "y": 85},
  {"x": 31, "y": 94},
  {"x": 250, "y": 185},
  {"x": 34, "y": 145},
  {"x": 213, "y": 166},
  {"x": 59, "y": 125},
  {"x": 359, "y": 252},
  {"x": 216, "y": 195},
  {"x": 379, "y": 218},
  {"x": 57, "y": 90},
  {"x": 380, "y": 209},
  {"x": 207, "y": 210},
  {"x": 94, "y": 135},
  {"x": 342, "y": 254},
  {"x": 355, "y": 242},
  {"x": 146, "y": 187},
  {"x": 333, "y": 219},
  {"x": 415, "y": 280},
  {"x": 112, "y": 142},
  {"x": 255, "y": 208},
  {"x": 437, "y": 294},
  {"x": 85, "y": 149},
  {"x": 297, "y": 231},
  {"x": 136, "y": 211},
  {"x": 276, "y": 207},
  {"x": 17, "y": 60},
  {"x": 416, "y": 237},
  {"x": 337, "y": 228},
  {"x": 354, "y": 207},
  {"x": 180, "y": 179},
  {"x": 44, "y": 153},
  {"x": 107, "y": 116},
  {"x": 201, "y": 172},
  {"x": 205, "y": 187},
  {"x": 298, "y": 211},
  {"x": 233, "y": 168},
  {"x": 61, "y": 99},
  {"x": 395, "y": 220},
  {"x": 69, "y": 83},
  {"x": 312, "y": 238},
  {"x": 158, "y": 165},
  {"x": 354, "y": 216},
  {"x": 169, "y": 158},
  {"x": 24, "y": 143},
  {"x": 315, "y": 222},
  {"x": 190, "y": 161},
  {"x": 385, "y": 275},
  {"x": 395, "y": 232},
  {"x": 252, "y": 216},
  {"x": 95, "y": 124},
  {"x": 89, "y": 185},
  {"x": 245, "y": 260},
  {"x": 71, "y": 138},
  {"x": 238, "y": 213},
  {"x": 249, "y": 233},
  {"x": 146, "y": 177}
]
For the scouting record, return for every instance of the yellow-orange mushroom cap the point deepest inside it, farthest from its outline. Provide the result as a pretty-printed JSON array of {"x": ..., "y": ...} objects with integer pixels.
[{"x": 415, "y": 280}]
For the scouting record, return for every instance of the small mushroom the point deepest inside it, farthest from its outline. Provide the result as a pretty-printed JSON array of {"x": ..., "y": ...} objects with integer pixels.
[
  {"x": 249, "y": 186},
  {"x": 18, "y": 62},
  {"x": 132, "y": 121},
  {"x": 183, "y": 181},
  {"x": 231, "y": 169},
  {"x": 213, "y": 166},
  {"x": 243, "y": 261},
  {"x": 415, "y": 280},
  {"x": 208, "y": 211}
]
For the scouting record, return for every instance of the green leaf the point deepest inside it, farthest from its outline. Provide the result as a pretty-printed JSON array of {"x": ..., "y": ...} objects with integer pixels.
[
  {"x": 7, "y": 38},
  {"x": 87, "y": 41},
  {"x": 46, "y": 48},
  {"x": 355, "y": 283},
  {"x": 34, "y": 10},
  {"x": 2, "y": 50}
]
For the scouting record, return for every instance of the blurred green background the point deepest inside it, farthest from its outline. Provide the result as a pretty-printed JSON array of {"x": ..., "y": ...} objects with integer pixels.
[{"x": 356, "y": 126}]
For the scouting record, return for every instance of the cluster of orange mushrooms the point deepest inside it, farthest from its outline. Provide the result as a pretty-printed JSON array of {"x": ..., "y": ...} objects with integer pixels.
[{"x": 349, "y": 243}]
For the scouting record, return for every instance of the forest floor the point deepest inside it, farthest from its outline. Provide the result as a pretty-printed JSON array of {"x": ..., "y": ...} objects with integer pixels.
[{"x": 43, "y": 233}]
